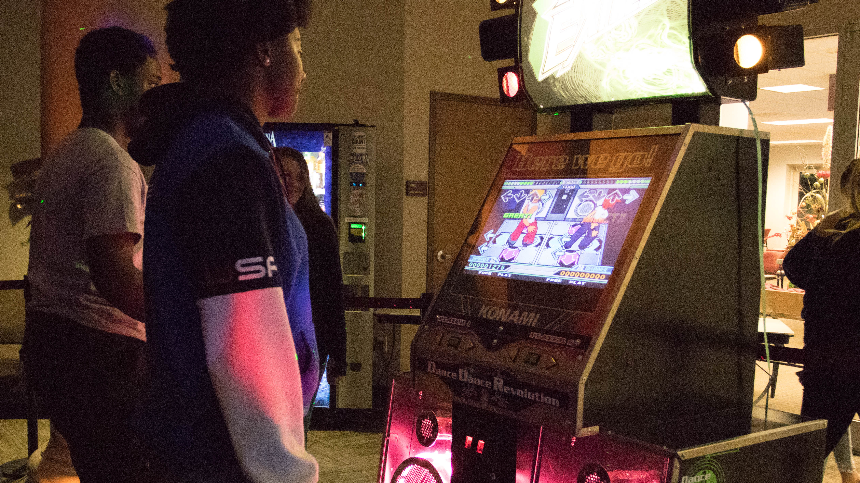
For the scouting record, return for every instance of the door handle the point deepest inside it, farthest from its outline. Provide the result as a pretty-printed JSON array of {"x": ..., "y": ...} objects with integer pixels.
[{"x": 441, "y": 256}]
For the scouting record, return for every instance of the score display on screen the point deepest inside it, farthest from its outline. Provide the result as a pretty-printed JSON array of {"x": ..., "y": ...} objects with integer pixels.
[
  {"x": 584, "y": 52},
  {"x": 560, "y": 231}
]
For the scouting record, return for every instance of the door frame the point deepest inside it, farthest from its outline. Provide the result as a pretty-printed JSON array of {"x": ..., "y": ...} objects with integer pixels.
[{"x": 846, "y": 125}]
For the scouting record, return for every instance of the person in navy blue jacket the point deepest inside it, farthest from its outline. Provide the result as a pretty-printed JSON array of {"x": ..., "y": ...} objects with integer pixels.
[{"x": 231, "y": 342}]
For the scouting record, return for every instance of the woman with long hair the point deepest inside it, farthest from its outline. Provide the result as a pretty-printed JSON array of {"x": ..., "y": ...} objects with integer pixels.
[
  {"x": 326, "y": 276},
  {"x": 826, "y": 264}
]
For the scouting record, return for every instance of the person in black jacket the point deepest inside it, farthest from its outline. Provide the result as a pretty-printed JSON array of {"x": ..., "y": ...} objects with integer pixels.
[
  {"x": 326, "y": 277},
  {"x": 826, "y": 264}
]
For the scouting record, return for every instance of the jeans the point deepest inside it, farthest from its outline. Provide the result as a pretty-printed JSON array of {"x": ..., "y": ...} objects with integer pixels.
[{"x": 88, "y": 382}]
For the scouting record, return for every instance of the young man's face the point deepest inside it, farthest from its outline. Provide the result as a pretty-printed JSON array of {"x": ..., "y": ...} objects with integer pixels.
[
  {"x": 147, "y": 76},
  {"x": 143, "y": 79},
  {"x": 284, "y": 77}
]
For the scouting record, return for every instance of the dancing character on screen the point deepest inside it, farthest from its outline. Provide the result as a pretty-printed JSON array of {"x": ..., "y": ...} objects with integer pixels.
[
  {"x": 580, "y": 237},
  {"x": 601, "y": 213},
  {"x": 531, "y": 206}
]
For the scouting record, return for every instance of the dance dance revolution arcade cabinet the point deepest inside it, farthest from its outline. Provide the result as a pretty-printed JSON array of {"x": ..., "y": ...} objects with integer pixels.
[{"x": 599, "y": 324}]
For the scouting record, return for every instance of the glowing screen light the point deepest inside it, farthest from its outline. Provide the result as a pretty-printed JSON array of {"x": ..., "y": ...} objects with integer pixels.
[
  {"x": 748, "y": 51},
  {"x": 511, "y": 84},
  {"x": 584, "y": 52}
]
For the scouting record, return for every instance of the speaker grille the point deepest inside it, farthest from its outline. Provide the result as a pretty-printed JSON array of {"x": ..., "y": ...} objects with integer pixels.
[
  {"x": 592, "y": 473},
  {"x": 416, "y": 470},
  {"x": 426, "y": 428}
]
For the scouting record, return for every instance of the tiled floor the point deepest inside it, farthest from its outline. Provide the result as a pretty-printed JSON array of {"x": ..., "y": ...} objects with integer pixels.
[
  {"x": 346, "y": 456},
  {"x": 789, "y": 394},
  {"x": 343, "y": 456},
  {"x": 353, "y": 457}
]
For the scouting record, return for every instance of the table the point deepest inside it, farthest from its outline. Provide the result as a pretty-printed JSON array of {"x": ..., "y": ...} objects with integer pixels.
[
  {"x": 778, "y": 334},
  {"x": 783, "y": 303}
]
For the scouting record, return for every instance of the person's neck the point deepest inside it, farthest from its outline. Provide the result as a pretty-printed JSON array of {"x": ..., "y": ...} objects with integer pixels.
[
  {"x": 109, "y": 124},
  {"x": 234, "y": 89}
]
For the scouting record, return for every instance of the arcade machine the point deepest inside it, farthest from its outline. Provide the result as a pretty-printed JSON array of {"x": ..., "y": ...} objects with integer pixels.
[
  {"x": 340, "y": 161},
  {"x": 599, "y": 324}
]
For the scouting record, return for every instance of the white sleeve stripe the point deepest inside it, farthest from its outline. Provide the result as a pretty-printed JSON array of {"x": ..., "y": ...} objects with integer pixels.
[{"x": 252, "y": 361}]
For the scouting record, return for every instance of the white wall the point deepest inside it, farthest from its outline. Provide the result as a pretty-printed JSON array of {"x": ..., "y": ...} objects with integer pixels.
[
  {"x": 442, "y": 53},
  {"x": 19, "y": 118},
  {"x": 354, "y": 57},
  {"x": 779, "y": 202}
]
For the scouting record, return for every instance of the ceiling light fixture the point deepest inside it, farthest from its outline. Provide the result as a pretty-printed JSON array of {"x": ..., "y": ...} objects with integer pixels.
[
  {"x": 793, "y": 88},
  {"x": 799, "y": 121},
  {"x": 798, "y": 141}
]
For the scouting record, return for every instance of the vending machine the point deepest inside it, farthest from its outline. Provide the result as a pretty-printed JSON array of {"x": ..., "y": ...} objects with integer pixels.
[
  {"x": 599, "y": 324},
  {"x": 341, "y": 159}
]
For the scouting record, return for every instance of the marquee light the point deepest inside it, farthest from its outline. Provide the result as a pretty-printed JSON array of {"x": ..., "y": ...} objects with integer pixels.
[
  {"x": 498, "y": 38},
  {"x": 510, "y": 84},
  {"x": 735, "y": 52},
  {"x": 788, "y": 89},
  {"x": 502, "y": 4},
  {"x": 749, "y": 51}
]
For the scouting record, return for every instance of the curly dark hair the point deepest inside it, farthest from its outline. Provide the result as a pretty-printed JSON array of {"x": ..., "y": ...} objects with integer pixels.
[
  {"x": 105, "y": 50},
  {"x": 211, "y": 37}
]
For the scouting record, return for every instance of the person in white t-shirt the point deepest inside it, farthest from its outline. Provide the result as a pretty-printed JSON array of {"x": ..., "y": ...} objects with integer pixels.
[{"x": 83, "y": 350}]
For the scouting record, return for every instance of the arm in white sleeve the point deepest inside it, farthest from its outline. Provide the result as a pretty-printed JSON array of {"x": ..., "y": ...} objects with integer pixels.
[{"x": 252, "y": 362}]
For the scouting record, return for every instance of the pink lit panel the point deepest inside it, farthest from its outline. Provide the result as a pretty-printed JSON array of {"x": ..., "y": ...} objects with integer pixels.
[
  {"x": 622, "y": 460},
  {"x": 404, "y": 458}
]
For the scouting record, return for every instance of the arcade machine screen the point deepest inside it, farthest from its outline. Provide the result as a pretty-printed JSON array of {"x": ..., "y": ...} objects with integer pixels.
[
  {"x": 609, "y": 51},
  {"x": 554, "y": 239},
  {"x": 557, "y": 231},
  {"x": 553, "y": 231}
]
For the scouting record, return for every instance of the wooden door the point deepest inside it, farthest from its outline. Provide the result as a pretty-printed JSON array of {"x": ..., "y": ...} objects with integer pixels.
[{"x": 469, "y": 136}]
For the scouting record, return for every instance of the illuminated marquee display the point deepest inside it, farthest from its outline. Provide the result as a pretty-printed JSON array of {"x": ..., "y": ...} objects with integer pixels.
[{"x": 583, "y": 52}]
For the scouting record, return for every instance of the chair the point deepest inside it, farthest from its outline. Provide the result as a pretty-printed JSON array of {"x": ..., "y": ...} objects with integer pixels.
[
  {"x": 770, "y": 263},
  {"x": 16, "y": 399}
]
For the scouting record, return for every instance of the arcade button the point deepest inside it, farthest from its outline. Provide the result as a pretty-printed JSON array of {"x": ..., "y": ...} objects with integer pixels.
[{"x": 532, "y": 358}]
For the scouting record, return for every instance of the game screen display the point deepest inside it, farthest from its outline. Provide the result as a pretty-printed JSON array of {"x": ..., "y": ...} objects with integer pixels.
[
  {"x": 557, "y": 231},
  {"x": 584, "y": 52}
]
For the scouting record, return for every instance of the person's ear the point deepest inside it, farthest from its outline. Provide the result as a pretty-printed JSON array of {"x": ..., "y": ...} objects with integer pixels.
[
  {"x": 118, "y": 83},
  {"x": 264, "y": 54}
]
